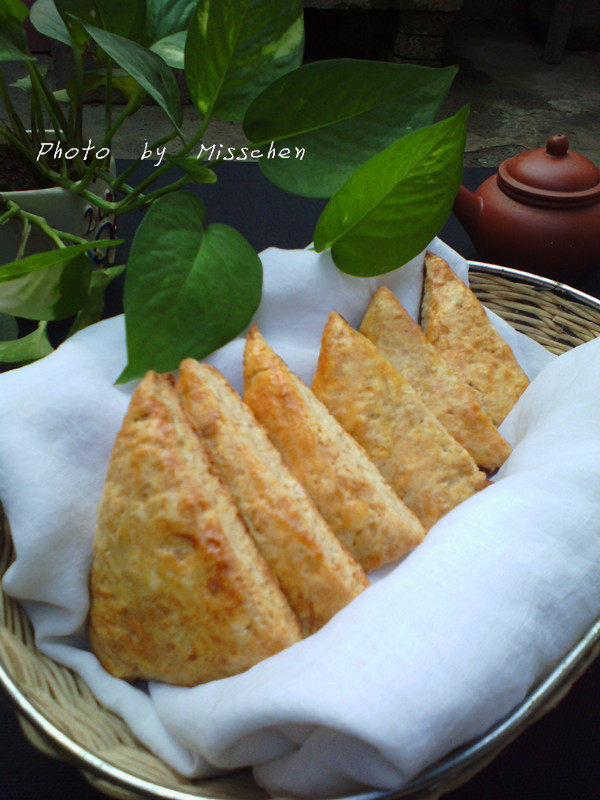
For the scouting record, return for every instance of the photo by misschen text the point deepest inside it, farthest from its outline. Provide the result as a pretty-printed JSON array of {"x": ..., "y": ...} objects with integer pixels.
[
  {"x": 247, "y": 153},
  {"x": 211, "y": 152}
]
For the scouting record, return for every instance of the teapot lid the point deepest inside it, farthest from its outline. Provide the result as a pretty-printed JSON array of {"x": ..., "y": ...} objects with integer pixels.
[{"x": 551, "y": 176}]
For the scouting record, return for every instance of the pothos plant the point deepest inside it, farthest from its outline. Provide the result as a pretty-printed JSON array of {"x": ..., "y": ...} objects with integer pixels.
[{"x": 365, "y": 130}]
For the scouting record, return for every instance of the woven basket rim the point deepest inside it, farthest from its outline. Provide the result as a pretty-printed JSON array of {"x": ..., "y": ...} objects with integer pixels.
[
  {"x": 439, "y": 777},
  {"x": 545, "y": 696},
  {"x": 520, "y": 276}
]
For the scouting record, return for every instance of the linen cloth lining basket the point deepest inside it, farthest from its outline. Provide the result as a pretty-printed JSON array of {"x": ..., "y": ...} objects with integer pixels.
[{"x": 61, "y": 717}]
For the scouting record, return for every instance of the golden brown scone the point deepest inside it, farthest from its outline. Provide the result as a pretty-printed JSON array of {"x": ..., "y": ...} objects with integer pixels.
[
  {"x": 428, "y": 469},
  {"x": 456, "y": 323},
  {"x": 179, "y": 592},
  {"x": 403, "y": 343},
  {"x": 359, "y": 506},
  {"x": 315, "y": 571}
]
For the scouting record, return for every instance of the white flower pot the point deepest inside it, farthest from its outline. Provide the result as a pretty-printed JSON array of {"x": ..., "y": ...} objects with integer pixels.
[{"x": 66, "y": 212}]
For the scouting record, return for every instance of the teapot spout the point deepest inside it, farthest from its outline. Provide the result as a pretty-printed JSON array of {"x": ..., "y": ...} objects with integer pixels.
[{"x": 467, "y": 208}]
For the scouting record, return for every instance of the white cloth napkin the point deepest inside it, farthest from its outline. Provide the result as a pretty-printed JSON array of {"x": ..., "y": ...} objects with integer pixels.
[{"x": 431, "y": 655}]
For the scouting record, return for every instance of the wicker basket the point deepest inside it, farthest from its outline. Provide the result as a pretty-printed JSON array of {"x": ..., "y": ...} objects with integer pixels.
[{"x": 59, "y": 714}]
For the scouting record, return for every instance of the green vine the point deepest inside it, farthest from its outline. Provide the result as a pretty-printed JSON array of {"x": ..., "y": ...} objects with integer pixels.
[{"x": 367, "y": 129}]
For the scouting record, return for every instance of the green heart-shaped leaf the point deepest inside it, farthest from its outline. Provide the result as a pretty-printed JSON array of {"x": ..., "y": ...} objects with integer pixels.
[
  {"x": 94, "y": 308},
  {"x": 13, "y": 42},
  {"x": 145, "y": 67},
  {"x": 393, "y": 206},
  {"x": 9, "y": 328},
  {"x": 166, "y": 17},
  {"x": 125, "y": 19},
  {"x": 24, "y": 83},
  {"x": 237, "y": 47},
  {"x": 51, "y": 258},
  {"x": 96, "y": 78},
  {"x": 172, "y": 49},
  {"x": 15, "y": 10},
  {"x": 11, "y": 50},
  {"x": 194, "y": 168},
  {"x": 337, "y": 114},
  {"x": 188, "y": 291},
  {"x": 45, "y": 18},
  {"x": 53, "y": 293},
  {"x": 29, "y": 348}
]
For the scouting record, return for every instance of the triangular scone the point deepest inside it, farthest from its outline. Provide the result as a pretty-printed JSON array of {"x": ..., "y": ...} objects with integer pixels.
[
  {"x": 315, "y": 571},
  {"x": 456, "y": 323},
  {"x": 428, "y": 469},
  {"x": 179, "y": 591},
  {"x": 403, "y": 343},
  {"x": 359, "y": 506}
]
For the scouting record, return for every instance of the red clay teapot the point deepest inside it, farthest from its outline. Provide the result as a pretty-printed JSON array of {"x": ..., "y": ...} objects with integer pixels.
[{"x": 540, "y": 212}]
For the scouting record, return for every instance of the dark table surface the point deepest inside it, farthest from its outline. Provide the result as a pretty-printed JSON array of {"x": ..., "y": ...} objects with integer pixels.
[{"x": 558, "y": 758}]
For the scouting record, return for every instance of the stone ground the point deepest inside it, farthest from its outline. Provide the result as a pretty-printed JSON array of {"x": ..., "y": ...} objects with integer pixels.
[{"x": 517, "y": 101}]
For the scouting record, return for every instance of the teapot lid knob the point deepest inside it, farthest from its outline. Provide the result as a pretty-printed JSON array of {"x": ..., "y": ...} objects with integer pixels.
[{"x": 557, "y": 145}]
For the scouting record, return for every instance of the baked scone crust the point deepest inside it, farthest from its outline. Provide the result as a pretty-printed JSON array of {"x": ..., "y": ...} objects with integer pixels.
[
  {"x": 427, "y": 468},
  {"x": 179, "y": 591},
  {"x": 315, "y": 571},
  {"x": 356, "y": 502},
  {"x": 455, "y": 322},
  {"x": 387, "y": 324}
]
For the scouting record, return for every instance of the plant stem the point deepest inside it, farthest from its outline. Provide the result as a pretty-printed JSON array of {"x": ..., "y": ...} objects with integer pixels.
[
  {"x": 71, "y": 237},
  {"x": 143, "y": 200},
  {"x": 10, "y": 110},
  {"x": 171, "y": 187},
  {"x": 92, "y": 167},
  {"x": 182, "y": 152},
  {"x": 10, "y": 213},
  {"x": 24, "y": 150},
  {"x": 24, "y": 236},
  {"x": 32, "y": 123},
  {"x": 59, "y": 179},
  {"x": 112, "y": 181},
  {"x": 37, "y": 127},
  {"x": 149, "y": 198},
  {"x": 131, "y": 104},
  {"x": 53, "y": 104},
  {"x": 36, "y": 86},
  {"x": 72, "y": 108},
  {"x": 120, "y": 182},
  {"x": 52, "y": 235},
  {"x": 28, "y": 218},
  {"x": 57, "y": 117},
  {"x": 78, "y": 121},
  {"x": 100, "y": 15},
  {"x": 92, "y": 198},
  {"x": 138, "y": 190},
  {"x": 108, "y": 99}
]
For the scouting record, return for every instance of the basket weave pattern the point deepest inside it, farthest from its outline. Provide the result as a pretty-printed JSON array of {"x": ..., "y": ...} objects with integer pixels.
[{"x": 550, "y": 316}]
